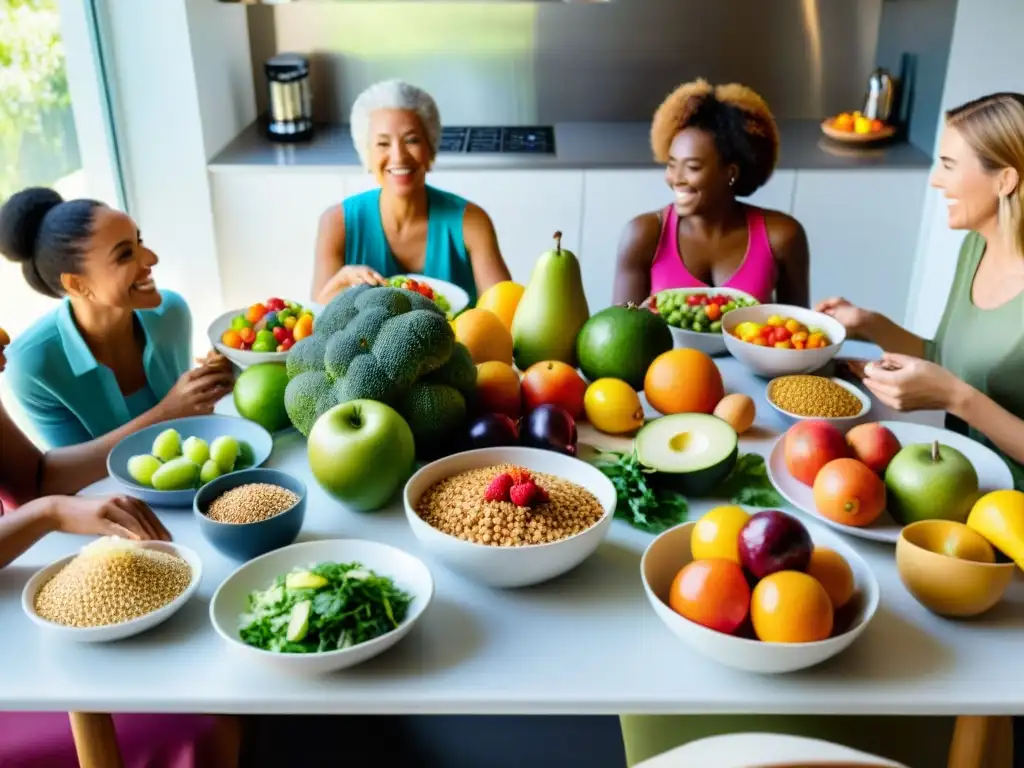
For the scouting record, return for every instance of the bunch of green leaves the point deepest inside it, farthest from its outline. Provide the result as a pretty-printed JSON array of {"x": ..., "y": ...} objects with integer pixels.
[
  {"x": 356, "y": 605},
  {"x": 645, "y": 506}
]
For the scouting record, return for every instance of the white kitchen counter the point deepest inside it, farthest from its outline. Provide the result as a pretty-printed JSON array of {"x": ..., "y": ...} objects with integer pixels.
[{"x": 587, "y": 643}]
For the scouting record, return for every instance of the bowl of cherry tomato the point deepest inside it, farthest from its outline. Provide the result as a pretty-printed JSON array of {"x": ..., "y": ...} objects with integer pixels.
[
  {"x": 262, "y": 332},
  {"x": 694, "y": 315},
  {"x": 780, "y": 340}
]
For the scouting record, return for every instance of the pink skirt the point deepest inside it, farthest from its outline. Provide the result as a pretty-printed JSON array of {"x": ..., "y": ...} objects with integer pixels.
[{"x": 43, "y": 740}]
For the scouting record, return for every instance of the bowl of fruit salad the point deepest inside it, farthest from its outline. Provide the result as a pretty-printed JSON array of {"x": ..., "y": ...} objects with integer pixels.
[
  {"x": 262, "y": 332},
  {"x": 779, "y": 339},
  {"x": 448, "y": 296},
  {"x": 694, "y": 315}
]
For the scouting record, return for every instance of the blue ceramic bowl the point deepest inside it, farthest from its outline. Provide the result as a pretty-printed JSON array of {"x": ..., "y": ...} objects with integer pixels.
[
  {"x": 244, "y": 541},
  {"x": 206, "y": 427}
]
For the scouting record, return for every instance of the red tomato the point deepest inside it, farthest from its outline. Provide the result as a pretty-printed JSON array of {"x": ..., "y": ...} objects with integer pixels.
[
  {"x": 693, "y": 299},
  {"x": 767, "y": 332},
  {"x": 285, "y": 345},
  {"x": 281, "y": 333},
  {"x": 275, "y": 304},
  {"x": 782, "y": 333}
]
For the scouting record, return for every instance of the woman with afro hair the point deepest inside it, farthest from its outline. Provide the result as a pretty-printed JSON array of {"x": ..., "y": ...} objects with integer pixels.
[{"x": 718, "y": 144}]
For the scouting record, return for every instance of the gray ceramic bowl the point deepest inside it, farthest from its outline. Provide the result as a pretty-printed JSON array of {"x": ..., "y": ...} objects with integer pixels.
[{"x": 244, "y": 541}]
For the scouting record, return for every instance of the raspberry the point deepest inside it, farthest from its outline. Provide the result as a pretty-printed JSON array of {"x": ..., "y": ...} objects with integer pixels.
[
  {"x": 499, "y": 488},
  {"x": 523, "y": 493},
  {"x": 542, "y": 496},
  {"x": 520, "y": 475}
]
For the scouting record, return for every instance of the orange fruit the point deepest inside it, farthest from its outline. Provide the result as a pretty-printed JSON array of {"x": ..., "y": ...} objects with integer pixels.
[
  {"x": 502, "y": 299},
  {"x": 846, "y": 491},
  {"x": 833, "y": 573},
  {"x": 554, "y": 383},
  {"x": 683, "y": 381},
  {"x": 713, "y": 593},
  {"x": 497, "y": 389},
  {"x": 231, "y": 339},
  {"x": 790, "y": 607},
  {"x": 484, "y": 335},
  {"x": 717, "y": 534}
]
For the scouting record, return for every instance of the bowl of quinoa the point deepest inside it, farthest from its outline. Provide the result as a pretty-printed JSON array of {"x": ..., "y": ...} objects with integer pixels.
[
  {"x": 249, "y": 513},
  {"x": 112, "y": 589},
  {"x": 806, "y": 396},
  {"x": 510, "y": 516}
]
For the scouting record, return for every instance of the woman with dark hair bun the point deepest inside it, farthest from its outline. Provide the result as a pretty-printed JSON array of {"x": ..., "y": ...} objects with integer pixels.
[
  {"x": 115, "y": 355},
  {"x": 717, "y": 144}
]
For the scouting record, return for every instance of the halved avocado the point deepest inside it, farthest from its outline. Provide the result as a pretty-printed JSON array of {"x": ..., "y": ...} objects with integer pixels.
[{"x": 689, "y": 452}]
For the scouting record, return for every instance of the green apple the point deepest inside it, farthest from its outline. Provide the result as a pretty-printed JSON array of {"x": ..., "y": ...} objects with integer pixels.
[
  {"x": 259, "y": 395},
  {"x": 361, "y": 452},
  {"x": 930, "y": 482}
]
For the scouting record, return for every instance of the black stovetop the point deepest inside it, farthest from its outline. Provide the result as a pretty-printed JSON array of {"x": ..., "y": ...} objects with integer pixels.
[{"x": 538, "y": 140}]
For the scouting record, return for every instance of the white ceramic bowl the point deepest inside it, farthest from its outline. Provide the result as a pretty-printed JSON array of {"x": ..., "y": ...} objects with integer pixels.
[
  {"x": 243, "y": 358},
  {"x": 708, "y": 343},
  {"x": 842, "y": 422},
  {"x": 511, "y": 566},
  {"x": 113, "y": 631},
  {"x": 457, "y": 298},
  {"x": 670, "y": 551},
  {"x": 408, "y": 572},
  {"x": 769, "y": 362}
]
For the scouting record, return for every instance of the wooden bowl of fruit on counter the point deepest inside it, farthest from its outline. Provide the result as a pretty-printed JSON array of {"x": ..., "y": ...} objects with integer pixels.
[
  {"x": 262, "y": 332},
  {"x": 855, "y": 128},
  {"x": 694, "y": 315},
  {"x": 759, "y": 592}
]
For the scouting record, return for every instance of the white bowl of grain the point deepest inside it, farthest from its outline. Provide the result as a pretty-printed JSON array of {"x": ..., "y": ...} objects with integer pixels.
[
  {"x": 819, "y": 398},
  {"x": 498, "y": 543},
  {"x": 114, "y": 588}
]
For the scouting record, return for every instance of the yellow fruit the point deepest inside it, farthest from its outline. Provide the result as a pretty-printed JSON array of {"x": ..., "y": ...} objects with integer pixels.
[
  {"x": 502, "y": 299},
  {"x": 717, "y": 534},
  {"x": 612, "y": 406},
  {"x": 775, "y": 321},
  {"x": 747, "y": 330},
  {"x": 862, "y": 125},
  {"x": 737, "y": 410},
  {"x": 484, "y": 335},
  {"x": 833, "y": 573},
  {"x": 999, "y": 517},
  {"x": 790, "y": 607}
]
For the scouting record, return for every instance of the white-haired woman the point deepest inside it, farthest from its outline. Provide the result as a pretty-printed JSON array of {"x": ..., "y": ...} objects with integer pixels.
[{"x": 405, "y": 225}]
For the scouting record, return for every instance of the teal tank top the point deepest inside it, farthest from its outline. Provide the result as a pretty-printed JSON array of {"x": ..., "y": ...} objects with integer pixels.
[{"x": 446, "y": 257}]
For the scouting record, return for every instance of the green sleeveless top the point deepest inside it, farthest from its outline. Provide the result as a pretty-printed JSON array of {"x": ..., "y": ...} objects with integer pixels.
[
  {"x": 446, "y": 257},
  {"x": 983, "y": 347}
]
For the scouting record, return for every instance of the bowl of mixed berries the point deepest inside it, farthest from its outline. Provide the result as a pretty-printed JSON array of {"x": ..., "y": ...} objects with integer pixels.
[{"x": 262, "y": 332}]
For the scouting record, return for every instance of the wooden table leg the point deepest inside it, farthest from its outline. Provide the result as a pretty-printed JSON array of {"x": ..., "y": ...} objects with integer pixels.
[
  {"x": 95, "y": 740},
  {"x": 982, "y": 742}
]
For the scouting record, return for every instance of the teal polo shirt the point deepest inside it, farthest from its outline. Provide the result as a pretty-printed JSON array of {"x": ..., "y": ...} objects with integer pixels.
[{"x": 68, "y": 396}]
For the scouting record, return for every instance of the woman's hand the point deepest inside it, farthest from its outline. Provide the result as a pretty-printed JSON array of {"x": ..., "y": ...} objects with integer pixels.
[
  {"x": 912, "y": 384},
  {"x": 852, "y": 317},
  {"x": 198, "y": 391},
  {"x": 348, "y": 276},
  {"x": 122, "y": 516}
]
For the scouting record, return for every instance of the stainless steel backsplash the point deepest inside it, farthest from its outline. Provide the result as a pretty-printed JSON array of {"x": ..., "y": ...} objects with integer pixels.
[{"x": 522, "y": 63}]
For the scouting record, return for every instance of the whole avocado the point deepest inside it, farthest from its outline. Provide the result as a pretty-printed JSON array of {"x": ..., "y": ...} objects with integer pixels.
[
  {"x": 621, "y": 342},
  {"x": 384, "y": 344}
]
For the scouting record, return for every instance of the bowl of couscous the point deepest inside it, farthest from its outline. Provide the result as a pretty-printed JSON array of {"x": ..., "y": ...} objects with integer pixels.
[
  {"x": 249, "y": 513},
  {"x": 112, "y": 589},
  {"x": 510, "y": 516}
]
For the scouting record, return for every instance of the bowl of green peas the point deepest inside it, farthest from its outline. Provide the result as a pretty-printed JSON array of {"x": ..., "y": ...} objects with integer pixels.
[{"x": 694, "y": 315}]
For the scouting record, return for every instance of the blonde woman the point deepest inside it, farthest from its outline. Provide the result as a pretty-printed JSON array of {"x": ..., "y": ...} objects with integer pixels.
[{"x": 973, "y": 367}]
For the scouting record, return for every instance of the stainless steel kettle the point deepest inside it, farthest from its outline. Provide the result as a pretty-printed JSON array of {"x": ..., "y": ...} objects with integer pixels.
[{"x": 881, "y": 96}]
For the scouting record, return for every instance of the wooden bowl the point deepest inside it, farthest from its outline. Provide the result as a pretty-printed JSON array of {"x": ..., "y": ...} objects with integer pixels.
[
  {"x": 849, "y": 137},
  {"x": 951, "y": 569}
]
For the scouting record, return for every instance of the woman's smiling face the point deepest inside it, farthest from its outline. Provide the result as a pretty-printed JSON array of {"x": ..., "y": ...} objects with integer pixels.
[
  {"x": 695, "y": 172},
  {"x": 400, "y": 153},
  {"x": 116, "y": 268},
  {"x": 971, "y": 192}
]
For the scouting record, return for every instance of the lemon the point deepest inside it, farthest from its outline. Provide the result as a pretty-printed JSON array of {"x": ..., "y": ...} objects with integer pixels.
[
  {"x": 717, "y": 534},
  {"x": 613, "y": 407}
]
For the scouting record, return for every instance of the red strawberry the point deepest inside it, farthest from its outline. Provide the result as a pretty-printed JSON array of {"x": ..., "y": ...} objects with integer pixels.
[
  {"x": 523, "y": 494},
  {"x": 499, "y": 488}
]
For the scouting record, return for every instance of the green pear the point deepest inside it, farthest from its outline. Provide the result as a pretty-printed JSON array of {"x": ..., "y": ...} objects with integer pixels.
[{"x": 552, "y": 310}]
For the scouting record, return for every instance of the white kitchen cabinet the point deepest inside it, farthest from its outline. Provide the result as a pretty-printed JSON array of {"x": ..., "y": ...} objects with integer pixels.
[
  {"x": 863, "y": 228},
  {"x": 266, "y": 223},
  {"x": 612, "y": 198}
]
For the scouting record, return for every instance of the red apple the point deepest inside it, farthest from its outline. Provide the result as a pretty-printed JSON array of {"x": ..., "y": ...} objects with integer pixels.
[
  {"x": 809, "y": 446},
  {"x": 874, "y": 445}
]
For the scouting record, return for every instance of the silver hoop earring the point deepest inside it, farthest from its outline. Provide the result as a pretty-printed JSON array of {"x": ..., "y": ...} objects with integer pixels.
[{"x": 732, "y": 180}]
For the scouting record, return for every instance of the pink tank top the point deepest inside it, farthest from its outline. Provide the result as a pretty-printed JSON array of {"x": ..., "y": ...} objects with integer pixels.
[{"x": 755, "y": 275}]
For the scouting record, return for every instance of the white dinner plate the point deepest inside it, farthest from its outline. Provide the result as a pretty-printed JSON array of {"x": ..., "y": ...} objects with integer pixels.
[{"x": 993, "y": 475}]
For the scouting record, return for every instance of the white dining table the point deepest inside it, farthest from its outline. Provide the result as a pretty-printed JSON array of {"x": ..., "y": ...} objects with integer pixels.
[{"x": 585, "y": 643}]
